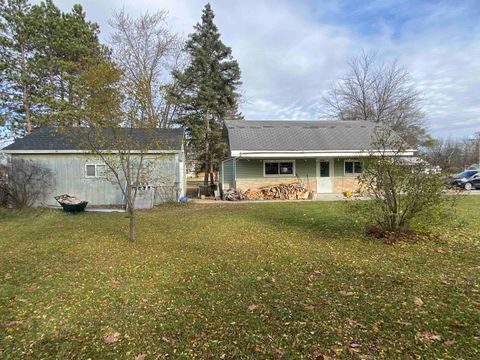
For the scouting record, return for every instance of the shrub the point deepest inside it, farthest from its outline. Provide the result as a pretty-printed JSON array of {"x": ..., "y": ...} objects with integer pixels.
[
  {"x": 25, "y": 183},
  {"x": 3, "y": 179},
  {"x": 402, "y": 188}
]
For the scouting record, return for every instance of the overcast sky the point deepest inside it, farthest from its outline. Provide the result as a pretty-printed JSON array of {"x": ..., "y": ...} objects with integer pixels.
[{"x": 291, "y": 51}]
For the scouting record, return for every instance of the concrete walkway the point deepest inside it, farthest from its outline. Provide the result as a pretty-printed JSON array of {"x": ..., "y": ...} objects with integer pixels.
[
  {"x": 104, "y": 210},
  {"x": 319, "y": 197},
  {"x": 91, "y": 209}
]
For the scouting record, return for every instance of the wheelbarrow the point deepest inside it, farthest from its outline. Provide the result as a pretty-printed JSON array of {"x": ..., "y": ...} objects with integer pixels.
[{"x": 71, "y": 203}]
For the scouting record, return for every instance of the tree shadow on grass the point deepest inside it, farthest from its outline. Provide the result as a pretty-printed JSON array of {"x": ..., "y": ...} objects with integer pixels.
[{"x": 324, "y": 219}]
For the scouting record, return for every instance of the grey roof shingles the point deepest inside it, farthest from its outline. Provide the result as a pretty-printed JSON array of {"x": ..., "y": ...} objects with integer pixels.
[
  {"x": 48, "y": 138},
  {"x": 293, "y": 135}
]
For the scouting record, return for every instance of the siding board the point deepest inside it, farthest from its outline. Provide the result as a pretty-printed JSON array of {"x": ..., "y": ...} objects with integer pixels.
[
  {"x": 228, "y": 175},
  {"x": 250, "y": 174},
  {"x": 253, "y": 168},
  {"x": 69, "y": 177}
]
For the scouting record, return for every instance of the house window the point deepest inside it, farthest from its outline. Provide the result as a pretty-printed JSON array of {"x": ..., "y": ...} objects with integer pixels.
[
  {"x": 278, "y": 168},
  {"x": 353, "y": 167},
  {"x": 95, "y": 170}
]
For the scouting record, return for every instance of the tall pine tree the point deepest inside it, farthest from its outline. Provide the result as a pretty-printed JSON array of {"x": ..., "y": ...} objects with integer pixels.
[
  {"x": 43, "y": 55},
  {"x": 17, "y": 33},
  {"x": 206, "y": 93},
  {"x": 67, "y": 44}
]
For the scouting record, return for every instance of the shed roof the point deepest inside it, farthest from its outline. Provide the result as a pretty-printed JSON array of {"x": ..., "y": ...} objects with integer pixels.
[
  {"x": 293, "y": 135},
  {"x": 49, "y": 139}
]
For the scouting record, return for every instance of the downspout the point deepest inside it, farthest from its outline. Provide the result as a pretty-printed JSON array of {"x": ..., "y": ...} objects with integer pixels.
[
  {"x": 223, "y": 176},
  {"x": 235, "y": 173}
]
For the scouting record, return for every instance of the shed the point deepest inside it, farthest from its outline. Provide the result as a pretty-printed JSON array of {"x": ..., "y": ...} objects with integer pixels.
[{"x": 78, "y": 171}]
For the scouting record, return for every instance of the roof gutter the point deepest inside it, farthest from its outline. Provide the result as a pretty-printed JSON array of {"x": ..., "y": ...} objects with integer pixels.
[
  {"x": 112, "y": 152},
  {"x": 317, "y": 153}
]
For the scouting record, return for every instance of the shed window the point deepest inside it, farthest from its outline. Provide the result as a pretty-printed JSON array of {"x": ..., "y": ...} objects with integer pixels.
[
  {"x": 95, "y": 170},
  {"x": 353, "y": 167},
  {"x": 283, "y": 168}
]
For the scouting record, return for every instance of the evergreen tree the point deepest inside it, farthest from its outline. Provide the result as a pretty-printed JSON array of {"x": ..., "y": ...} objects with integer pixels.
[
  {"x": 67, "y": 46},
  {"x": 44, "y": 53},
  {"x": 206, "y": 92},
  {"x": 16, "y": 62}
]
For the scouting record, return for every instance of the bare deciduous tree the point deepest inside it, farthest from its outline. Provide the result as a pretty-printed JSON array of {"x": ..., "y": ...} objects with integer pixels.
[
  {"x": 448, "y": 154},
  {"x": 147, "y": 51},
  {"x": 123, "y": 150},
  {"x": 126, "y": 99},
  {"x": 453, "y": 155},
  {"x": 121, "y": 130},
  {"x": 381, "y": 93},
  {"x": 25, "y": 183}
]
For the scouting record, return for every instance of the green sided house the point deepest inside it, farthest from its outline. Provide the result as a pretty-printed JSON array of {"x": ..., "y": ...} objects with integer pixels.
[
  {"x": 77, "y": 171},
  {"x": 325, "y": 156}
]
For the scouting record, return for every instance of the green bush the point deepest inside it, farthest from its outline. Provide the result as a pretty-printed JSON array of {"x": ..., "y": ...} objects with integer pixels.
[{"x": 402, "y": 188}]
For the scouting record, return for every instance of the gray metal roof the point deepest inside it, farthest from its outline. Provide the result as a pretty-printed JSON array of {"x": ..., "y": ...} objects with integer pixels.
[
  {"x": 48, "y": 138},
  {"x": 292, "y": 135}
]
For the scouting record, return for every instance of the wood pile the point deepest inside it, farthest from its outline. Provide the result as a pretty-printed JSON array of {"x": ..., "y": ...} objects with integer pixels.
[
  {"x": 232, "y": 195},
  {"x": 293, "y": 191}
]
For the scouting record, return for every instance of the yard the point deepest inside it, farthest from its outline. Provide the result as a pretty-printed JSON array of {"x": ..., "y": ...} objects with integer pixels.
[{"x": 276, "y": 280}]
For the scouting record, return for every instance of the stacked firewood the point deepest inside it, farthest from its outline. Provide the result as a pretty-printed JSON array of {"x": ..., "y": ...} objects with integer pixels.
[
  {"x": 232, "y": 195},
  {"x": 293, "y": 191}
]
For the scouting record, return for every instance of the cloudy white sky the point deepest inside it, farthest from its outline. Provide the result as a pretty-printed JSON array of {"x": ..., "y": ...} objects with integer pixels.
[{"x": 290, "y": 51}]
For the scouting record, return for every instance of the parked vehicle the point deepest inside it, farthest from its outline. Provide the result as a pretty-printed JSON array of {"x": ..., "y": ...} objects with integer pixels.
[
  {"x": 475, "y": 182},
  {"x": 468, "y": 180}
]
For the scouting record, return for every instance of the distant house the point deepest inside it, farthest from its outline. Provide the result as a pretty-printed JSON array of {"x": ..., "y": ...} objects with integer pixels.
[
  {"x": 77, "y": 171},
  {"x": 326, "y": 156}
]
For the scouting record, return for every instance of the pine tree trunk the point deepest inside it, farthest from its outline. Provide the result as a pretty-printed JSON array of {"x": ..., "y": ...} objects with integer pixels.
[
  {"x": 53, "y": 107},
  {"x": 205, "y": 177},
  {"x": 25, "y": 95},
  {"x": 26, "y": 107},
  {"x": 207, "y": 150},
  {"x": 212, "y": 180}
]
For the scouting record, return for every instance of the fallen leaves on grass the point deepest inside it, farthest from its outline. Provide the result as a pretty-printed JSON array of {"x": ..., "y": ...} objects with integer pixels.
[
  {"x": 178, "y": 278},
  {"x": 317, "y": 355},
  {"x": 354, "y": 347},
  {"x": 14, "y": 323},
  {"x": 357, "y": 324},
  {"x": 309, "y": 307},
  {"x": 418, "y": 301},
  {"x": 112, "y": 338},
  {"x": 428, "y": 336}
]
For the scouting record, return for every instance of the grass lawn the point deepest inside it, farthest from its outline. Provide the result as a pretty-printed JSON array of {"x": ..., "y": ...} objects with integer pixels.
[{"x": 277, "y": 280}]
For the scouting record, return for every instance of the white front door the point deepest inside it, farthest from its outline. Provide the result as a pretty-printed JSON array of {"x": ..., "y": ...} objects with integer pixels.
[{"x": 324, "y": 176}]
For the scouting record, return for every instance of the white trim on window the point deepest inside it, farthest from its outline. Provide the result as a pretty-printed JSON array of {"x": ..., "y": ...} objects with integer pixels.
[
  {"x": 293, "y": 174},
  {"x": 355, "y": 173},
  {"x": 97, "y": 172}
]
